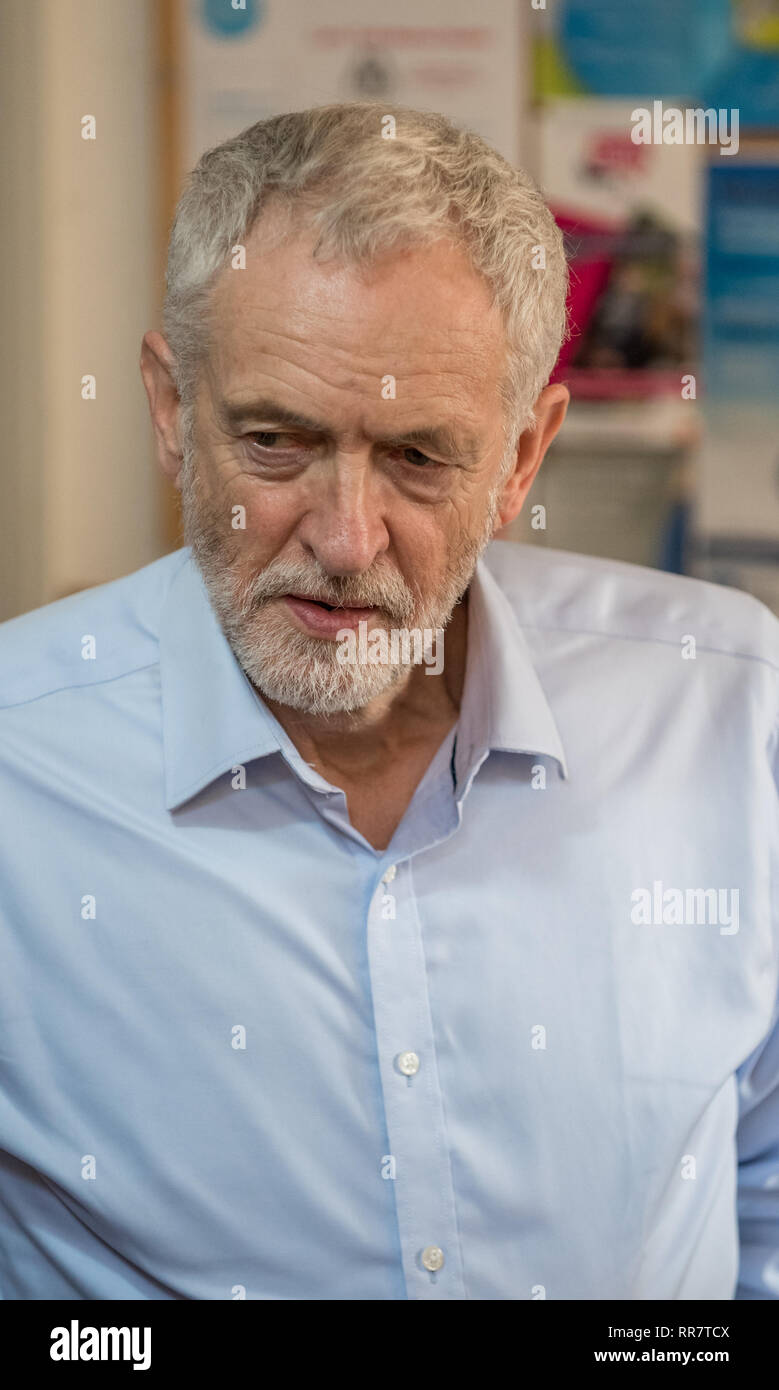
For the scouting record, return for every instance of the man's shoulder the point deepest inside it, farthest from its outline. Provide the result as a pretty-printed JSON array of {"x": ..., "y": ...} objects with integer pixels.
[
  {"x": 95, "y": 635},
  {"x": 557, "y": 590}
]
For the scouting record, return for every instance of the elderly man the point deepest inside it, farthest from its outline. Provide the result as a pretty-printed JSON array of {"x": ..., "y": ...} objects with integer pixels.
[{"x": 386, "y": 914}]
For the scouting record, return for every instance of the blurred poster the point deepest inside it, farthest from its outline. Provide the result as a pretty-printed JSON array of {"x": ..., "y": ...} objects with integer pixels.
[
  {"x": 631, "y": 216},
  {"x": 592, "y": 166},
  {"x": 738, "y": 502},
  {"x": 627, "y": 48},
  {"x": 749, "y": 79},
  {"x": 242, "y": 62},
  {"x": 741, "y": 343}
]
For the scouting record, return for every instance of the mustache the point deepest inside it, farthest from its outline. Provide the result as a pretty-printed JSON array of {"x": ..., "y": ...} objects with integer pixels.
[{"x": 387, "y": 591}]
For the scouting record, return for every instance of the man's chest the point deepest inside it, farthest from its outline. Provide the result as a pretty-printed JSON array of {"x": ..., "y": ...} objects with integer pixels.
[{"x": 222, "y": 1006}]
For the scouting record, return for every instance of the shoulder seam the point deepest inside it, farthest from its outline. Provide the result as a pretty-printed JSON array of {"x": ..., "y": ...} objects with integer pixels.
[
  {"x": 75, "y": 685},
  {"x": 640, "y": 637}
]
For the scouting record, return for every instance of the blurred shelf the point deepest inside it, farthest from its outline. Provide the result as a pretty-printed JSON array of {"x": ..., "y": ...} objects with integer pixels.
[{"x": 665, "y": 424}]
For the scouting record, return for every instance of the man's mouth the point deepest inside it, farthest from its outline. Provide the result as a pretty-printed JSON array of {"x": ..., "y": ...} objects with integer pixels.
[
  {"x": 309, "y": 598},
  {"x": 318, "y": 617}
]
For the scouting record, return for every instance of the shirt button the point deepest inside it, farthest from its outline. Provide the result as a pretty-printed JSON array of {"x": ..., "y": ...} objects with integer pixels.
[
  {"x": 432, "y": 1257},
  {"x": 408, "y": 1063},
  {"x": 390, "y": 874}
]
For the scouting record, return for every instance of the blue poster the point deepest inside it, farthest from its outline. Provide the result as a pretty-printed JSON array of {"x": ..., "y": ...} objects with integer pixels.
[
  {"x": 629, "y": 48},
  {"x": 741, "y": 315}
]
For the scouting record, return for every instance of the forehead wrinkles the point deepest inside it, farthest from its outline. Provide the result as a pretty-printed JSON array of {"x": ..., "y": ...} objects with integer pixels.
[
  {"x": 432, "y": 289},
  {"x": 360, "y": 341},
  {"x": 403, "y": 385},
  {"x": 283, "y": 337}
]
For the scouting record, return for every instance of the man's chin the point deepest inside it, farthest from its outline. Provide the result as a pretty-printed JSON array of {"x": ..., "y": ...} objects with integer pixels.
[
  {"x": 324, "y": 689},
  {"x": 325, "y": 705}
]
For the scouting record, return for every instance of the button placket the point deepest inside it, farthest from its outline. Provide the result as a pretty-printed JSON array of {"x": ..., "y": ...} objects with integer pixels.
[{"x": 413, "y": 1103}]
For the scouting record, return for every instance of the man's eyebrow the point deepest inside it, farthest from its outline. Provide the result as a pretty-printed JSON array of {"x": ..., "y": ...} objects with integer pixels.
[
  {"x": 443, "y": 439},
  {"x": 234, "y": 413}
]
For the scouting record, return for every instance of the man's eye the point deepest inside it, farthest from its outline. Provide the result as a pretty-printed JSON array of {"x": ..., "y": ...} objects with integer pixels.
[
  {"x": 419, "y": 458},
  {"x": 268, "y": 439}
]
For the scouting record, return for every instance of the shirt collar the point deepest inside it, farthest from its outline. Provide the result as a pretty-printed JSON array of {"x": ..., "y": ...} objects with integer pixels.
[
  {"x": 213, "y": 720},
  {"x": 211, "y": 717},
  {"x": 503, "y": 707}
]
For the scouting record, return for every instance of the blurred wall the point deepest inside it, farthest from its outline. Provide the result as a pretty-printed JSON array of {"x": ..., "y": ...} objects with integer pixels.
[{"x": 80, "y": 285}]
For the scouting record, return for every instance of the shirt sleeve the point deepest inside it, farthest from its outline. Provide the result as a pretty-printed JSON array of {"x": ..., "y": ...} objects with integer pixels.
[{"x": 758, "y": 1134}]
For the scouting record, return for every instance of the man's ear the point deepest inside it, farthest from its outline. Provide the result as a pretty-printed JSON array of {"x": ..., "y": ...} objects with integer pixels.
[
  {"x": 550, "y": 409},
  {"x": 157, "y": 363}
]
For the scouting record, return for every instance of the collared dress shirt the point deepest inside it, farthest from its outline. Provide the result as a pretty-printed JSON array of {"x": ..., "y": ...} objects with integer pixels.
[{"x": 530, "y": 1050}]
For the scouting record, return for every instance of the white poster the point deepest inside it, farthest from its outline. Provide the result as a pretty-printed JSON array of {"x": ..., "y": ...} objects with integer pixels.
[
  {"x": 590, "y": 167},
  {"x": 240, "y": 64}
]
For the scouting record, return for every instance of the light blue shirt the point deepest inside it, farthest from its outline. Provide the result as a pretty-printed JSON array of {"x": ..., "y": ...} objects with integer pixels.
[{"x": 530, "y": 1050}]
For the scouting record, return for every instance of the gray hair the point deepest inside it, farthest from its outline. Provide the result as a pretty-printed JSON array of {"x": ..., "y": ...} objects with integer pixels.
[{"x": 365, "y": 194}]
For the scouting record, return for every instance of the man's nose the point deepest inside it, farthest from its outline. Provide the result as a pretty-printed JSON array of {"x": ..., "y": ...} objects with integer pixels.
[{"x": 343, "y": 526}]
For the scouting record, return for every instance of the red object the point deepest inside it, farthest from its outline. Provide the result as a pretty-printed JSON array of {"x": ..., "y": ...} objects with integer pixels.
[{"x": 589, "y": 274}]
